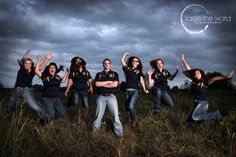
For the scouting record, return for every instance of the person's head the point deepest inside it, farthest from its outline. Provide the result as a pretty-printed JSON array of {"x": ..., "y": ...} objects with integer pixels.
[
  {"x": 199, "y": 75},
  {"x": 106, "y": 64},
  {"x": 134, "y": 62},
  {"x": 26, "y": 63},
  {"x": 76, "y": 63},
  {"x": 52, "y": 69},
  {"x": 157, "y": 63}
]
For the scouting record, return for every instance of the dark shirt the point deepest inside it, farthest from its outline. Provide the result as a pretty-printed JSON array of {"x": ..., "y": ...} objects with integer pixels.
[
  {"x": 199, "y": 90},
  {"x": 80, "y": 80},
  {"x": 24, "y": 78},
  {"x": 160, "y": 78},
  {"x": 132, "y": 77},
  {"x": 198, "y": 87},
  {"x": 51, "y": 85},
  {"x": 107, "y": 76}
]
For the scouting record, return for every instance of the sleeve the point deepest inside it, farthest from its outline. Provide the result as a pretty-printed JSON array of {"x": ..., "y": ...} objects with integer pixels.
[
  {"x": 141, "y": 74},
  {"x": 124, "y": 68},
  {"x": 88, "y": 75},
  {"x": 168, "y": 73},
  {"x": 70, "y": 75},
  {"x": 116, "y": 77},
  {"x": 153, "y": 75},
  {"x": 97, "y": 77},
  {"x": 43, "y": 76},
  {"x": 189, "y": 74}
]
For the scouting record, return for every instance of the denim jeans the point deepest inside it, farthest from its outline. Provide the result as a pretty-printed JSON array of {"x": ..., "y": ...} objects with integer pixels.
[
  {"x": 81, "y": 96},
  {"x": 161, "y": 94},
  {"x": 27, "y": 94},
  {"x": 199, "y": 114},
  {"x": 131, "y": 97},
  {"x": 111, "y": 102},
  {"x": 53, "y": 106}
]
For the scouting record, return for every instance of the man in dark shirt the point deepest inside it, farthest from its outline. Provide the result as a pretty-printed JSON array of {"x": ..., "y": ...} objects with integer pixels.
[
  {"x": 159, "y": 78},
  {"x": 106, "y": 83}
]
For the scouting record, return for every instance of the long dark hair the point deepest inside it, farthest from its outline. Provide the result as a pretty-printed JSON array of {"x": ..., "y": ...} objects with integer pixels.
[
  {"x": 190, "y": 74},
  {"x": 153, "y": 63},
  {"x": 74, "y": 67},
  {"x": 46, "y": 70},
  {"x": 129, "y": 63}
]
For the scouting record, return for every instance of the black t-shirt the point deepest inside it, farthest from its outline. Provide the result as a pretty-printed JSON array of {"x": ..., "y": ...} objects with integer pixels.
[
  {"x": 51, "y": 85},
  {"x": 24, "y": 78},
  {"x": 160, "y": 79},
  {"x": 198, "y": 88},
  {"x": 107, "y": 76},
  {"x": 80, "y": 80},
  {"x": 132, "y": 77}
]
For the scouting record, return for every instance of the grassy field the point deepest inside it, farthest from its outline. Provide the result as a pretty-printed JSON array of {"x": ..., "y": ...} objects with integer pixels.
[{"x": 167, "y": 135}]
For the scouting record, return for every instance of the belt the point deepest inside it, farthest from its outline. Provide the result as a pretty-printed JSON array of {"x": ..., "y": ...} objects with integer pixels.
[
  {"x": 107, "y": 94},
  {"x": 130, "y": 89}
]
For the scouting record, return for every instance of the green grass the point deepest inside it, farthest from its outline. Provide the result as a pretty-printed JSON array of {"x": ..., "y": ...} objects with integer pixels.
[{"x": 167, "y": 135}]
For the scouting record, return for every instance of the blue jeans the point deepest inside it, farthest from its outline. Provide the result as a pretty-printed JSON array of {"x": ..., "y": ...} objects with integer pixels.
[
  {"x": 161, "y": 94},
  {"x": 131, "y": 98},
  {"x": 81, "y": 96},
  {"x": 27, "y": 94},
  {"x": 111, "y": 102},
  {"x": 199, "y": 114},
  {"x": 52, "y": 106}
]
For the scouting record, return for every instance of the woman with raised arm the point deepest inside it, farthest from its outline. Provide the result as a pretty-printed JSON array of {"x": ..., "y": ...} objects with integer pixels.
[
  {"x": 157, "y": 80},
  {"x": 81, "y": 82},
  {"x": 51, "y": 86},
  {"x": 23, "y": 87},
  {"x": 199, "y": 90},
  {"x": 134, "y": 78}
]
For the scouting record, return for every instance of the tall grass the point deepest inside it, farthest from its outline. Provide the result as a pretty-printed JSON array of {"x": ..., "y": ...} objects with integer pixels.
[{"x": 164, "y": 135}]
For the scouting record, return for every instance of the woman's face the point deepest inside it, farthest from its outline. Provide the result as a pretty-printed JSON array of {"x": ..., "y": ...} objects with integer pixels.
[
  {"x": 78, "y": 61},
  {"x": 27, "y": 64},
  {"x": 135, "y": 62},
  {"x": 52, "y": 70},
  {"x": 160, "y": 65},
  {"x": 197, "y": 75}
]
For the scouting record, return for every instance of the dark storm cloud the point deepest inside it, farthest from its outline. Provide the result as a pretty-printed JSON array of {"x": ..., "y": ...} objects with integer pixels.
[{"x": 100, "y": 29}]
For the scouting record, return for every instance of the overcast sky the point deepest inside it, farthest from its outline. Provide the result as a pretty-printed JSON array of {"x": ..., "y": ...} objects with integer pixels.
[{"x": 96, "y": 30}]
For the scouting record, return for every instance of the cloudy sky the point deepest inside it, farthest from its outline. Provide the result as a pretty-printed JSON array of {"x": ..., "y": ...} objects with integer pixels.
[{"x": 96, "y": 30}]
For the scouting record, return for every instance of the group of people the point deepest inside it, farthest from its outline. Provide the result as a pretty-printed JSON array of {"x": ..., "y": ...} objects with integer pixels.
[{"x": 106, "y": 83}]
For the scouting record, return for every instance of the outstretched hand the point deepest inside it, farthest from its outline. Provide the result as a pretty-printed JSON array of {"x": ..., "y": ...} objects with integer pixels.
[
  {"x": 182, "y": 56},
  {"x": 39, "y": 57},
  {"x": 230, "y": 74},
  {"x": 150, "y": 71},
  {"x": 48, "y": 55}
]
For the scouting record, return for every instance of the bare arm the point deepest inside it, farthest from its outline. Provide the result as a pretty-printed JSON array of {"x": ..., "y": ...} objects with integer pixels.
[
  {"x": 37, "y": 69},
  {"x": 45, "y": 61},
  {"x": 65, "y": 76},
  {"x": 90, "y": 82},
  {"x": 186, "y": 65},
  {"x": 103, "y": 83},
  {"x": 174, "y": 75},
  {"x": 218, "y": 78},
  {"x": 143, "y": 84},
  {"x": 150, "y": 80},
  {"x": 69, "y": 84},
  {"x": 114, "y": 84},
  {"x": 123, "y": 59}
]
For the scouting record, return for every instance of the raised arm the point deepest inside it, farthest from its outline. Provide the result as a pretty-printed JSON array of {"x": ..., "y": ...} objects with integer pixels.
[
  {"x": 218, "y": 78},
  {"x": 150, "y": 80},
  {"x": 38, "y": 62},
  {"x": 45, "y": 61},
  {"x": 186, "y": 65},
  {"x": 174, "y": 75},
  {"x": 65, "y": 75},
  {"x": 123, "y": 59}
]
